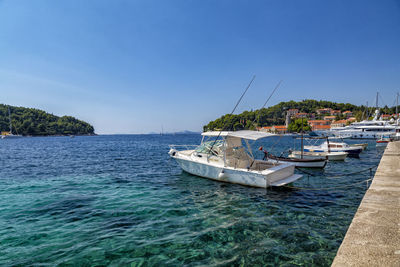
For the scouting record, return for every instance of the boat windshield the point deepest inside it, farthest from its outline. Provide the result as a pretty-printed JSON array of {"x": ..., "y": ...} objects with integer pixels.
[{"x": 206, "y": 146}]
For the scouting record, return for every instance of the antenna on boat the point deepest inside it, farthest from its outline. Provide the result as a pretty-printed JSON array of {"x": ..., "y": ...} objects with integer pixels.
[{"x": 240, "y": 99}]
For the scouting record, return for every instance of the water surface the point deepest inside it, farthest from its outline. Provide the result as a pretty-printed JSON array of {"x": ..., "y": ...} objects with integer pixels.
[{"x": 119, "y": 200}]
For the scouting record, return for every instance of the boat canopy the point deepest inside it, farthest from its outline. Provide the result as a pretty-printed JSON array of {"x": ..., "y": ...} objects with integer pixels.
[{"x": 244, "y": 134}]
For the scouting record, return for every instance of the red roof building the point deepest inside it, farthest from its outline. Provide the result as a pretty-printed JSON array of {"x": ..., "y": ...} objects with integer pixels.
[
  {"x": 386, "y": 117},
  {"x": 339, "y": 123},
  {"x": 330, "y": 118},
  {"x": 324, "y": 111},
  {"x": 318, "y": 122},
  {"x": 301, "y": 115},
  {"x": 320, "y": 127},
  {"x": 279, "y": 129},
  {"x": 348, "y": 113}
]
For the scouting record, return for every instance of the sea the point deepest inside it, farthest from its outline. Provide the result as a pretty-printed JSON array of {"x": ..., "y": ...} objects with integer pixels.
[{"x": 119, "y": 200}]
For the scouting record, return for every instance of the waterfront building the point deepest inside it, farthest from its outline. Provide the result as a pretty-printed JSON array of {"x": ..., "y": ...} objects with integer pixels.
[
  {"x": 321, "y": 128},
  {"x": 329, "y": 118},
  {"x": 348, "y": 114},
  {"x": 335, "y": 112},
  {"x": 301, "y": 115},
  {"x": 339, "y": 123},
  {"x": 292, "y": 112},
  {"x": 323, "y": 111}
]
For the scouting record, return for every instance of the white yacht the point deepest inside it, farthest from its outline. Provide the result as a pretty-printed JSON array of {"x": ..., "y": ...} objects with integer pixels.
[
  {"x": 373, "y": 129},
  {"x": 229, "y": 158},
  {"x": 329, "y": 147}
]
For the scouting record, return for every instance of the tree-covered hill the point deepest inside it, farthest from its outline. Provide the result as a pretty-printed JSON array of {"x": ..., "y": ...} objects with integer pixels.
[
  {"x": 275, "y": 115},
  {"x": 35, "y": 122}
]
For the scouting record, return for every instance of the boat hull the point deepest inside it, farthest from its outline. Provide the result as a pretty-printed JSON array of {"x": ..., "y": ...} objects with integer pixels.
[
  {"x": 303, "y": 163},
  {"x": 351, "y": 152},
  {"x": 333, "y": 156},
  {"x": 363, "y": 145},
  {"x": 275, "y": 176}
]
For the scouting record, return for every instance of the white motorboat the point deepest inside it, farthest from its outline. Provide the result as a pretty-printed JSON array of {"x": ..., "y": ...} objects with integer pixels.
[
  {"x": 229, "y": 158},
  {"x": 335, "y": 147},
  {"x": 383, "y": 141},
  {"x": 363, "y": 145},
  {"x": 332, "y": 156}
]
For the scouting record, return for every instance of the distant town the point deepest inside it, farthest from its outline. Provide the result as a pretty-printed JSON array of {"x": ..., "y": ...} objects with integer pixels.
[{"x": 321, "y": 120}]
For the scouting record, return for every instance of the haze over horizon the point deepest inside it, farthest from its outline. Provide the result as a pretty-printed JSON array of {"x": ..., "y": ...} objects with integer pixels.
[{"x": 135, "y": 67}]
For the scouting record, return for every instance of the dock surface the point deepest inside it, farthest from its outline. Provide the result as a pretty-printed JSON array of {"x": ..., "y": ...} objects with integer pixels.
[{"x": 373, "y": 238}]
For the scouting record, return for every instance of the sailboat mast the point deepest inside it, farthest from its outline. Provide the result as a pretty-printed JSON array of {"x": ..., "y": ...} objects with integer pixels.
[
  {"x": 302, "y": 144},
  {"x": 397, "y": 104},
  {"x": 9, "y": 118},
  {"x": 377, "y": 95}
]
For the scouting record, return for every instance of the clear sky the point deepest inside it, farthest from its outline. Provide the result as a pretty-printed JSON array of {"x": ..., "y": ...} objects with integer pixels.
[{"x": 137, "y": 66}]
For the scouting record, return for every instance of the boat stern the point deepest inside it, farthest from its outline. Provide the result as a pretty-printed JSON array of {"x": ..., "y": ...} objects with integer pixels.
[{"x": 281, "y": 174}]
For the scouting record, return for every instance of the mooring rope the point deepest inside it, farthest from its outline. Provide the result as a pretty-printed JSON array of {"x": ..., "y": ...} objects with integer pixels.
[
  {"x": 338, "y": 176},
  {"x": 328, "y": 188}
]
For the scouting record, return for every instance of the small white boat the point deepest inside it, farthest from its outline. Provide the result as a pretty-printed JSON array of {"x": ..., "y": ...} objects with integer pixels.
[
  {"x": 363, "y": 145},
  {"x": 328, "y": 146},
  {"x": 230, "y": 159},
  {"x": 299, "y": 162},
  {"x": 332, "y": 156},
  {"x": 383, "y": 141}
]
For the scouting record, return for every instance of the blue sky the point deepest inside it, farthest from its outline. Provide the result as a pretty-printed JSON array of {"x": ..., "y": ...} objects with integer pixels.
[{"x": 137, "y": 66}]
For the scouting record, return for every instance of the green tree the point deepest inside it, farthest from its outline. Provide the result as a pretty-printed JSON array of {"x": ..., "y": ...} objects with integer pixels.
[
  {"x": 29, "y": 121},
  {"x": 295, "y": 126}
]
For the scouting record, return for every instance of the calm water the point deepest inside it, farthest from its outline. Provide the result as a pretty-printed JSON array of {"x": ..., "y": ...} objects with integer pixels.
[{"x": 119, "y": 200}]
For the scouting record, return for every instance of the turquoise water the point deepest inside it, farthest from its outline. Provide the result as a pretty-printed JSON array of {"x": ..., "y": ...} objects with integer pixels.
[{"x": 119, "y": 200}]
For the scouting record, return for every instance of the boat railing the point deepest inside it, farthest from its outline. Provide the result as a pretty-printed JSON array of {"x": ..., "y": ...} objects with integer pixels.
[{"x": 183, "y": 147}]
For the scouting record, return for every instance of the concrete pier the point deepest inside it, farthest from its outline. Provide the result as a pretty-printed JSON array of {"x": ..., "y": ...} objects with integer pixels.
[{"x": 373, "y": 238}]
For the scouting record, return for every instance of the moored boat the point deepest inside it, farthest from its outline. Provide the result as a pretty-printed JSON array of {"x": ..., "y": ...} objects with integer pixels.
[
  {"x": 299, "y": 162},
  {"x": 383, "y": 141},
  {"x": 335, "y": 147},
  {"x": 229, "y": 158},
  {"x": 332, "y": 156},
  {"x": 363, "y": 145}
]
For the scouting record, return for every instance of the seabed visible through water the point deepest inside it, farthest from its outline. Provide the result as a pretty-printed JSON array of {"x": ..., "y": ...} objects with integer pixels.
[{"x": 120, "y": 200}]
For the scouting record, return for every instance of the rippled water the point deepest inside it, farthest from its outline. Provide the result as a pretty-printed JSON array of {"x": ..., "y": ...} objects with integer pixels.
[{"x": 119, "y": 200}]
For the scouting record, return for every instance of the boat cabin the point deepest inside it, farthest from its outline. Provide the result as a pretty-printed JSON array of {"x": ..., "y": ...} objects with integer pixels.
[{"x": 232, "y": 148}]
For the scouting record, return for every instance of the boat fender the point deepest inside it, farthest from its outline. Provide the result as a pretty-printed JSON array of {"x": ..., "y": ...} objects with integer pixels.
[{"x": 222, "y": 174}]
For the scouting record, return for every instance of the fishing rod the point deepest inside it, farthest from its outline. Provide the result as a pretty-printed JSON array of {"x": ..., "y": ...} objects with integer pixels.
[
  {"x": 276, "y": 87},
  {"x": 240, "y": 99}
]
